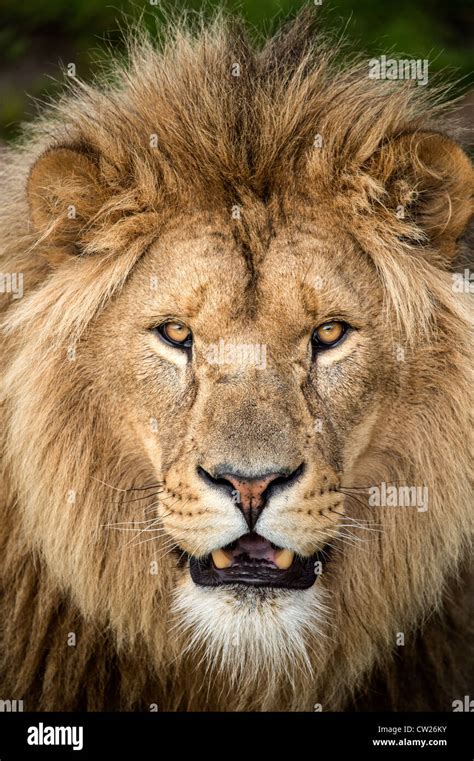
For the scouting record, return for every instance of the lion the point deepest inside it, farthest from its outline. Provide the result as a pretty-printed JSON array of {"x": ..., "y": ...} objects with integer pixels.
[{"x": 236, "y": 445}]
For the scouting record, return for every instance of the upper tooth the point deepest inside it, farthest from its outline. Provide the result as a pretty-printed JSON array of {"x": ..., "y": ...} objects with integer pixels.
[
  {"x": 221, "y": 559},
  {"x": 284, "y": 558}
]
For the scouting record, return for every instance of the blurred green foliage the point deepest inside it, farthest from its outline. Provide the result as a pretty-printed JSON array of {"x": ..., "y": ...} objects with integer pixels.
[{"x": 36, "y": 34}]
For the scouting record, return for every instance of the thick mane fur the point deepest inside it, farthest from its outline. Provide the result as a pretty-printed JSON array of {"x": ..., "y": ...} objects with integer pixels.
[
  {"x": 229, "y": 138},
  {"x": 173, "y": 128}
]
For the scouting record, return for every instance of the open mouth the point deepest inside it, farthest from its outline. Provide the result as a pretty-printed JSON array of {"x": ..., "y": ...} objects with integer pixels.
[{"x": 255, "y": 561}]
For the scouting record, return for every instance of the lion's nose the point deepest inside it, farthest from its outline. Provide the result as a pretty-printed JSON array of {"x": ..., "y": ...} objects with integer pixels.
[{"x": 251, "y": 493}]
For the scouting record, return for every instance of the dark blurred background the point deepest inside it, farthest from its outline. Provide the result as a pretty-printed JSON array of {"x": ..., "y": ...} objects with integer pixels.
[{"x": 35, "y": 35}]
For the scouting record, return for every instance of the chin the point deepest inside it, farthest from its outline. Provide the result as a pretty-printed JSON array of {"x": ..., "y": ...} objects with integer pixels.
[{"x": 243, "y": 629}]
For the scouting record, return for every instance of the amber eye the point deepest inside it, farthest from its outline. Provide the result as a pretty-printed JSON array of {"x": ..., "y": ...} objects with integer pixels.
[
  {"x": 328, "y": 334},
  {"x": 176, "y": 333}
]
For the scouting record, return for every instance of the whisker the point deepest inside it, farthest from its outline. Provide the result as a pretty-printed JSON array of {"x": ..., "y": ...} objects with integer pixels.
[
  {"x": 358, "y": 500},
  {"x": 137, "y": 530},
  {"x": 168, "y": 547},
  {"x": 333, "y": 548},
  {"x": 168, "y": 544},
  {"x": 357, "y": 524},
  {"x": 352, "y": 541},
  {"x": 156, "y": 505},
  {"x": 104, "y": 483},
  {"x": 371, "y": 486},
  {"x": 131, "y": 488},
  {"x": 156, "y": 520},
  {"x": 140, "y": 532},
  {"x": 136, "y": 499},
  {"x": 350, "y": 525},
  {"x": 156, "y": 485},
  {"x": 125, "y": 523}
]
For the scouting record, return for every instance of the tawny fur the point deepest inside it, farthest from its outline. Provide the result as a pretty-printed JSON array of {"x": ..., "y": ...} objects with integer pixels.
[{"x": 223, "y": 141}]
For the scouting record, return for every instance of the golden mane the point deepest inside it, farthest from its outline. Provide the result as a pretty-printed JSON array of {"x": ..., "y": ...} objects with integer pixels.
[{"x": 173, "y": 126}]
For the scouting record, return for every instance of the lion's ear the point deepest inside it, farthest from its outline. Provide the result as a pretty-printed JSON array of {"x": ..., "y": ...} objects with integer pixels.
[
  {"x": 63, "y": 193},
  {"x": 429, "y": 180}
]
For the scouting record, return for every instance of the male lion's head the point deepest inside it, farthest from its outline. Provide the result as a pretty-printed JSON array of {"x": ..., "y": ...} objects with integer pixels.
[{"x": 239, "y": 343}]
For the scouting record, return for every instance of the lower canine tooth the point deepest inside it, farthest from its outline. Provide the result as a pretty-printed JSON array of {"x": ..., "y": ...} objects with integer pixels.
[
  {"x": 221, "y": 559},
  {"x": 284, "y": 558}
]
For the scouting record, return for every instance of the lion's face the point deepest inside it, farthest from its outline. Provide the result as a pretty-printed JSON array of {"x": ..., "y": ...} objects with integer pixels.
[{"x": 252, "y": 425}]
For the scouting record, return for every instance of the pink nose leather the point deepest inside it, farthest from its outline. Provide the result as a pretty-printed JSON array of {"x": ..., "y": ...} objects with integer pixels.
[{"x": 251, "y": 493}]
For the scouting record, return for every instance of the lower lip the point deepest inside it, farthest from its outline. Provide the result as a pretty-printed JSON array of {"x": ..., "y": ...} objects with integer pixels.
[{"x": 300, "y": 575}]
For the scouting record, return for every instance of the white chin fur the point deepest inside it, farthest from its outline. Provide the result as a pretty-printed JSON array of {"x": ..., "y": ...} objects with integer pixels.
[{"x": 250, "y": 628}]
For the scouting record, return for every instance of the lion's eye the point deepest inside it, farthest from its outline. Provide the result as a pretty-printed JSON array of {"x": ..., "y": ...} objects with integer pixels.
[
  {"x": 176, "y": 333},
  {"x": 328, "y": 334}
]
